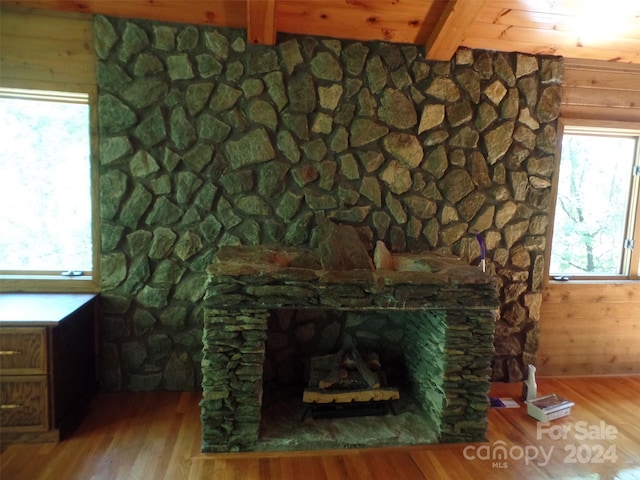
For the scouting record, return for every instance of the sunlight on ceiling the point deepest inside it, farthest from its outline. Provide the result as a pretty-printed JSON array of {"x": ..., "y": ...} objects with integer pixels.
[
  {"x": 591, "y": 21},
  {"x": 599, "y": 21}
]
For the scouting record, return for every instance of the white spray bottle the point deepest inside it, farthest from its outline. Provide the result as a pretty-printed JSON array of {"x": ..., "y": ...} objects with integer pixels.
[{"x": 529, "y": 386}]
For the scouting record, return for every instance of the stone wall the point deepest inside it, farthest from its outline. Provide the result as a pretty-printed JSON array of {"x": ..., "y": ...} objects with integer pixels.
[{"x": 207, "y": 141}]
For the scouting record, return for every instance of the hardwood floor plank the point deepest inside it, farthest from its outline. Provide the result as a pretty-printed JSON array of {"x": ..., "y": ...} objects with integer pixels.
[
  {"x": 186, "y": 440},
  {"x": 357, "y": 467},
  {"x": 336, "y": 469},
  {"x": 433, "y": 464},
  {"x": 158, "y": 436},
  {"x": 393, "y": 463}
]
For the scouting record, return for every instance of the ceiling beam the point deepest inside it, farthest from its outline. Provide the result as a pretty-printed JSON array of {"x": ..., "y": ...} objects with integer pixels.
[
  {"x": 261, "y": 22},
  {"x": 449, "y": 32}
]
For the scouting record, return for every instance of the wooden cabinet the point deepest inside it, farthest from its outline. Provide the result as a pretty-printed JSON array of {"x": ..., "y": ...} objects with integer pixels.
[
  {"x": 24, "y": 404},
  {"x": 47, "y": 364},
  {"x": 23, "y": 351}
]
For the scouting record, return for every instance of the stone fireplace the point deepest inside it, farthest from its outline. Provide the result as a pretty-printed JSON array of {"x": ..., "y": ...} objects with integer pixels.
[
  {"x": 206, "y": 140},
  {"x": 441, "y": 310}
]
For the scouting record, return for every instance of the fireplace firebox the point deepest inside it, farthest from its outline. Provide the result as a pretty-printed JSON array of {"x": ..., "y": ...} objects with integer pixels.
[{"x": 446, "y": 311}]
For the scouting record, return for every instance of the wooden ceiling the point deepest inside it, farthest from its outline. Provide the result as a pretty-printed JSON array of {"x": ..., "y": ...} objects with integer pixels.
[{"x": 587, "y": 29}]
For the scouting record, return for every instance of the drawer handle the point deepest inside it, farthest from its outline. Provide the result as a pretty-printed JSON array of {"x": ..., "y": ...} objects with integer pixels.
[
  {"x": 10, "y": 406},
  {"x": 10, "y": 352}
]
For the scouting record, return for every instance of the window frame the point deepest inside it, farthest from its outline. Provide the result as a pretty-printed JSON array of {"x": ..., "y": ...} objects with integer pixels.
[
  {"x": 573, "y": 125},
  {"x": 54, "y": 282}
]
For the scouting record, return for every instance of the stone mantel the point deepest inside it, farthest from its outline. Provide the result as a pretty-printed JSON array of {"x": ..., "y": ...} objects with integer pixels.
[{"x": 278, "y": 277}]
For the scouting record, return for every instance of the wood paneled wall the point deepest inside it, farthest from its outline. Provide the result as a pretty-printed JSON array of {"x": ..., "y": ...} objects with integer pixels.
[
  {"x": 593, "y": 328},
  {"x": 596, "y": 90},
  {"x": 590, "y": 329},
  {"x": 47, "y": 51}
]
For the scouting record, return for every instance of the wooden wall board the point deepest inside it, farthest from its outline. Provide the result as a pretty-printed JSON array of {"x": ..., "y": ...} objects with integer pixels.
[
  {"x": 594, "y": 79},
  {"x": 588, "y": 329},
  {"x": 596, "y": 113},
  {"x": 600, "y": 90},
  {"x": 585, "y": 292},
  {"x": 67, "y": 59}
]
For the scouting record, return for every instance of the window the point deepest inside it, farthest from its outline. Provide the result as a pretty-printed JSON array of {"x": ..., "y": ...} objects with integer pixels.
[
  {"x": 45, "y": 186},
  {"x": 596, "y": 214}
]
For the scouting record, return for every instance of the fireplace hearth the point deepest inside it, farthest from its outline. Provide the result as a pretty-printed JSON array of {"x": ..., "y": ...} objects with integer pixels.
[{"x": 443, "y": 309}]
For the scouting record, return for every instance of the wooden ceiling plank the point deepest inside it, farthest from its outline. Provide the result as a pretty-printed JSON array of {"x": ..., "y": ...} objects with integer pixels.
[
  {"x": 261, "y": 22},
  {"x": 504, "y": 25},
  {"x": 568, "y": 8},
  {"x": 451, "y": 28},
  {"x": 559, "y": 38},
  {"x": 548, "y": 21},
  {"x": 221, "y": 13},
  {"x": 547, "y": 49},
  {"x": 368, "y": 20}
]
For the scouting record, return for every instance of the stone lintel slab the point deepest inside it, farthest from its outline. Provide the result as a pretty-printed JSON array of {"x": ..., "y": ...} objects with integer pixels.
[{"x": 264, "y": 277}]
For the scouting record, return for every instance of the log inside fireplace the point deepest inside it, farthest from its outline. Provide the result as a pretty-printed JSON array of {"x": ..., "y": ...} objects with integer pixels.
[{"x": 348, "y": 383}]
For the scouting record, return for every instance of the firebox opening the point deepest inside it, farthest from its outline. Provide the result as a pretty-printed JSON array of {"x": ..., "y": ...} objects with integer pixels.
[{"x": 407, "y": 345}]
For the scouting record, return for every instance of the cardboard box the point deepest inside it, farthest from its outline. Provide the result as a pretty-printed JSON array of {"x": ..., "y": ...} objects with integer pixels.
[{"x": 549, "y": 407}]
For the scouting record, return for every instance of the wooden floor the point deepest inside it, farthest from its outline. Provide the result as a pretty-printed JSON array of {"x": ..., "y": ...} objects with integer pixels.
[{"x": 157, "y": 436}]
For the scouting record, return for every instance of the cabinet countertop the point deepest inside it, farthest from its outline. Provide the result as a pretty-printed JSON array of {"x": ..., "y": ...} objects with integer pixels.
[{"x": 39, "y": 308}]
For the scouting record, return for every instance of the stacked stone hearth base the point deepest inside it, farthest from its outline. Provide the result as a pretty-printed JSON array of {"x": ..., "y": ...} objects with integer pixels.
[{"x": 447, "y": 311}]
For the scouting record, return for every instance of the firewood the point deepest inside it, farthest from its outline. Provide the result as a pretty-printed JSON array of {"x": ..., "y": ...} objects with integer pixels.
[
  {"x": 367, "y": 375},
  {"x": 334, "y": 377},
  {"x": 327, "y": 362},
  {"x": 329, "y": 369},
  {"x": 348, "y": 362},
  {"x": 373, "y": 361}
]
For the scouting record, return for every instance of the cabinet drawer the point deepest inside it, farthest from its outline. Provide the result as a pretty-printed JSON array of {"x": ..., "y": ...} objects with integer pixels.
[
  {"x": 24, "y": 403},
  {"x": 23, "y": 351}
]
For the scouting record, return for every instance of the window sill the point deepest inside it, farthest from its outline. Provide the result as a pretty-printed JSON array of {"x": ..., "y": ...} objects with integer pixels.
[
  {"x": 591, "y": 281},
  {"x": 48, "y": 284}
]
